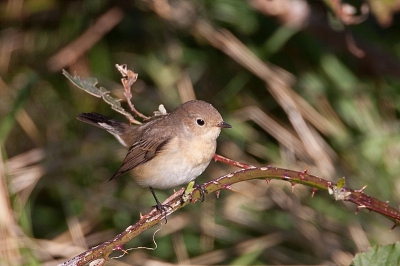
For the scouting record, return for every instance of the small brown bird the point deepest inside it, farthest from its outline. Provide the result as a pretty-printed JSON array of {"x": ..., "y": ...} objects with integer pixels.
[{"x": 169, "y": 151}]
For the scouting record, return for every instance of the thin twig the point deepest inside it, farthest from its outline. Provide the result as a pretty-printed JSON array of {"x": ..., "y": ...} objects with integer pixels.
[{"x": 128, "y": 78}]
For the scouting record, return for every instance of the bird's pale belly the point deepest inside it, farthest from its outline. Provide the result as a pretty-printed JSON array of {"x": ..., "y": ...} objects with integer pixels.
[
  {"x": 163, "y": 178},
  {"x": 176, "y": 169}
]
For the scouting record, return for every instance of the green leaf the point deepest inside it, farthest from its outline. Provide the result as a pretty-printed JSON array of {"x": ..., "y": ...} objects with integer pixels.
[
  {"x": 386, "y": 255},
  {"x": 341, "y": 183},
  {"x": 189, "y": 189}
]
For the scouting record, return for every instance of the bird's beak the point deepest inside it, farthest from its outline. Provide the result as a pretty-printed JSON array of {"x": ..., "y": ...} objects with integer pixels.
[{"x": 224, "y": 125}]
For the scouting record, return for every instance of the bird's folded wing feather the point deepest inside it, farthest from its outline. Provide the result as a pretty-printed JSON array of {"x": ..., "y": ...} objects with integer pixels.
[{"x": 142, "y": 151}]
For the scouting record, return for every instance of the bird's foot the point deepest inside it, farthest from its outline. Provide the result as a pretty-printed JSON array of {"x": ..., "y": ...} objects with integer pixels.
[
  {"x": 202, "y": 191},
  {"x": 163, "y": 209},
  {"x": 189, "y": 189}
]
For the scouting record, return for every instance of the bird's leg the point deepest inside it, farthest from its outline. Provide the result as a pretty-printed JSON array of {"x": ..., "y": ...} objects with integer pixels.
[{"x": 160, "y": 207}]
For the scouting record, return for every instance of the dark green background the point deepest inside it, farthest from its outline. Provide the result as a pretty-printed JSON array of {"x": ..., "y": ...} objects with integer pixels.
[{"x": 56, "y": 168}]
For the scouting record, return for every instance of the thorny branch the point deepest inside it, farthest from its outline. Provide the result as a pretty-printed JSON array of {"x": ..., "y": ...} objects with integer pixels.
[
  {"x": 338, "y": 190},
  {"x": 101, "y": 253}
]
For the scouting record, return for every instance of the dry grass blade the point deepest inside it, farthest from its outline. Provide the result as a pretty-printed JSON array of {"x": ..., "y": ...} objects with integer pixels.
[
  {"x": 218, "y": 256},
  {"x": 25, "y": 170},
  {"x": 274, "y": 129},
  {"x": 9, "y": 244},
  {"x": 69, "y": 54},
  {"x": 278, "y": 87}
]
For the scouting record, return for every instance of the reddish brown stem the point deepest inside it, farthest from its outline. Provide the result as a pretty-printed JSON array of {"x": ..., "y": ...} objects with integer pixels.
[
  {"x": 182, "y": 198},
  {"x": 129, "y": 77},
  {"x": 232, "y": 162}
]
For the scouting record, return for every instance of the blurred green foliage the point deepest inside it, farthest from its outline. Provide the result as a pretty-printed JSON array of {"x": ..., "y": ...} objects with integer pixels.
[{"x": 57, "y": 168}]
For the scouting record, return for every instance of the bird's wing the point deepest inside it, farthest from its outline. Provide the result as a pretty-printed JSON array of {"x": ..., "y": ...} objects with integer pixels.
[{"x": 143, "y": 150}]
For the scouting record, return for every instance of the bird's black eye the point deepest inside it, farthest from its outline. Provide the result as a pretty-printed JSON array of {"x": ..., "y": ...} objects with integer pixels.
[{"x": 200, "y": 122}]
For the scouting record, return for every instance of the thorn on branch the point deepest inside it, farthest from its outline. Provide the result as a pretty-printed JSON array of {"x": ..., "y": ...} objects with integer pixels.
[
  {"x": 361, "y": 190},
  {"x": 359, "y": 207},
  {"x": 232, "y": 162},
  {"x": 227, "y": 186},
  {"x": 313, "y": 192},
  {"x": 119, "y": 247},
  {"x": 394, "y": 226},
  {"x": 303, "y": 173}
]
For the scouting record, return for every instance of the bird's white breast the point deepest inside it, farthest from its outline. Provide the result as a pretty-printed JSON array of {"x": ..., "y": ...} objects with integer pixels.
[{"x": 178, "y": 163}]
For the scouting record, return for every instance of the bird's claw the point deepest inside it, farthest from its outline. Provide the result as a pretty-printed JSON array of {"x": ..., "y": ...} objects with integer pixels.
[
  {"x": 163, "y": 209},
  {"x": 202, "y": 191}
]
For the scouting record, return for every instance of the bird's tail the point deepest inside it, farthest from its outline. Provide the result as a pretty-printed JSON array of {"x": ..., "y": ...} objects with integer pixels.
[{"x": 118, "y": 129}]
